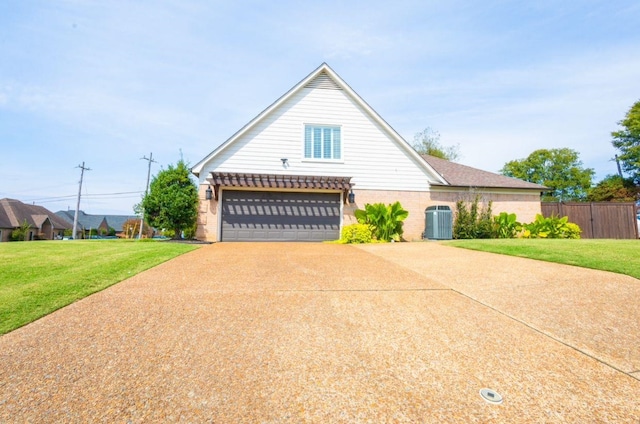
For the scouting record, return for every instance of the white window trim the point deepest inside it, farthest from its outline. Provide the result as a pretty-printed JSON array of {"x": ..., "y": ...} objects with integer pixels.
[{"x": 322, "y": 160}]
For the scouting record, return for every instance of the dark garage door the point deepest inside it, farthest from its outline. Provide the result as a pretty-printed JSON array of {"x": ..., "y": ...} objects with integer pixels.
[{"x": 280, "y": 216}]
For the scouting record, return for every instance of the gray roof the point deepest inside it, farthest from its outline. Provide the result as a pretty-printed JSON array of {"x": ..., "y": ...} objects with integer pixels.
[
  {"x": 465, "y": 176},
  {"x": 87, "y": 221},
  {"x": 117, "y": 221},
  {"x": 13, "y": 213}
]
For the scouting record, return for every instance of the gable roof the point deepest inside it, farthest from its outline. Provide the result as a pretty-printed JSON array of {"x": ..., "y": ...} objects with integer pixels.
[
  {"x": 117, "y": 221},
  {"x": 85, "y": 220},
  {"x": 88, "y": 221},
  {"x": 459, "y": 175},
  {"x": 13, "y": 213},
  {"x": 5, "y": 221},
  {"x": 323, "y": 76}
]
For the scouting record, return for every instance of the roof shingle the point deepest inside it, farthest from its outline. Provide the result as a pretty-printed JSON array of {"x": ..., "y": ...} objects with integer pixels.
[
  {"x": 13, "y": 213},
  {"x": 466, "y": 176}
]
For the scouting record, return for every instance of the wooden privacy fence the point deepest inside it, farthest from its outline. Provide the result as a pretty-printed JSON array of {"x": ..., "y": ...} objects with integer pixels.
[{"x": 598, "y": 220}]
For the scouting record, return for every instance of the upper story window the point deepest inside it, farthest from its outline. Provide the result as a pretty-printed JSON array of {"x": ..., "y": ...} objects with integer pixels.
[{"x": 322, "y": 142}]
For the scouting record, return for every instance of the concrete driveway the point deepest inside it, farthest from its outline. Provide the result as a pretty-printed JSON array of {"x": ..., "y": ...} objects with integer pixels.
[{"x": 406, "y": 332}]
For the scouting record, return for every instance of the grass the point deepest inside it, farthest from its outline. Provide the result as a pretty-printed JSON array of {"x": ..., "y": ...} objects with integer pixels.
[
  {"x": 37, "y": 278},
  {"x": 620, "y": 256}
]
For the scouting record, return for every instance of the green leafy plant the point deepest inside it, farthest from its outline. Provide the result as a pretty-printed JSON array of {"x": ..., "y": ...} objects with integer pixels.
[
  {"x": 356, "y": 234},
  {"x": 385, "y": 220},
  {"x": 551, "y": 227},
  {"x": 20, "y": 233},
  {"x": 472, "y": 221},
  {"x": 573, "y": 231},
  {"x": 505, "y": 225}
]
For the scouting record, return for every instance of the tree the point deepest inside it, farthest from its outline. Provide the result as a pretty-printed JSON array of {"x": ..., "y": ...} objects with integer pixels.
[
  {"x": 627, "y": 141},
  {"x": 558, "y": 169},
  {"x": 614, "y": 188},
  {"x": 427, "y": 142},
  {"x": 172, "y": 201},
  {"x": 20, "y": 233}
]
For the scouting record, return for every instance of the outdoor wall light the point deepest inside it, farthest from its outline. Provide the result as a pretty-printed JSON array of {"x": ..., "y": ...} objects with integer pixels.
[
  {"x": 208, "y": 193},
  {"x": 284, "y": 161},
  {"x": 352, "y": 197}
]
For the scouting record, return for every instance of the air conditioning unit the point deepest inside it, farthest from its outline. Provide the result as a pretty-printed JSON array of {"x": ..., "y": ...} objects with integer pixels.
[{"x": 438, "y": 223}]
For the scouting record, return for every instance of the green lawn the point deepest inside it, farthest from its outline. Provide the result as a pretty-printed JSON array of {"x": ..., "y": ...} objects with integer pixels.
[
  {"x": 621, "y": 256},
  {"x": 36, "y": 278}
]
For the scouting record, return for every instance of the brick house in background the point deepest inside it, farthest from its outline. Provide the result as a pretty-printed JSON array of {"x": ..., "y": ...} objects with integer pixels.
[
  {"x": 300, "y": 169},
  {"x": 43, "y": 224}
]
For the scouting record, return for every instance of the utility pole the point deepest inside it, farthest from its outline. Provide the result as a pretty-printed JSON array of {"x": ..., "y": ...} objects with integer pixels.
[
  {"x": 619, "y": 170},
  {"x": 75, "y": 216},
  {"x": 146, "y": 190}
]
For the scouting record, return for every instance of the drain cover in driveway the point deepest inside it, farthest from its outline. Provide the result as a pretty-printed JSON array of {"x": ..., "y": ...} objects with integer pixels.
[{"x": 491, "y": 396}]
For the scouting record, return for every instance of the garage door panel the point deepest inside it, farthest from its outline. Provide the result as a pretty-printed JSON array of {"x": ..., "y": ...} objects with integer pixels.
[{"x": 270, "y": 216}]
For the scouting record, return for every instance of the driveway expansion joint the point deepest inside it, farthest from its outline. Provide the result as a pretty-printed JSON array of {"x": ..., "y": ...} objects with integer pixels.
[{"x": 551, "y": 336}]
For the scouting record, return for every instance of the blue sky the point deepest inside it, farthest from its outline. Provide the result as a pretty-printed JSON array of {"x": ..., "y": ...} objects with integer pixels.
[{"x": 109, "y": 82}]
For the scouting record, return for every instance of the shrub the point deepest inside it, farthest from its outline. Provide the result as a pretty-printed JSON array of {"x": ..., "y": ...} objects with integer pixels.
[
  {"x": 472, "y": 222},
  {"x": 356, "y": 234},
  {"x": 505, "y": 225},
  {"x": 551, "y": 227},
  {"x": 385, "y": 220},
  {"x": 573, "y": 230},
  {"x": 20, "y": 233}
]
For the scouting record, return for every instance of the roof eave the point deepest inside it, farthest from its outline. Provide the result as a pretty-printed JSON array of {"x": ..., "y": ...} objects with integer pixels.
[
  {"x": 197, "y": 168},
  {"x": 384, "y": 124},
  {"x": 541, "y": 188}
]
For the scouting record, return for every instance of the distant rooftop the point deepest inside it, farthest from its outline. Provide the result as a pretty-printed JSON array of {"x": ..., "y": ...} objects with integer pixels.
[{"x": 87, "y": 221}]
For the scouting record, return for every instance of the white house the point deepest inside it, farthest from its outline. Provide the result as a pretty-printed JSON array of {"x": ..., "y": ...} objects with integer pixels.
[{"x": 289, "y": 173}]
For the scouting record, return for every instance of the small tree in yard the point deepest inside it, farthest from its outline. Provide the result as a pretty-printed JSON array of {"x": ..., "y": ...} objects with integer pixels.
[
  {"x": 172, "y": 201},
  {"x": 20, "y": 233},
  {"x": 472, "y": 221}
]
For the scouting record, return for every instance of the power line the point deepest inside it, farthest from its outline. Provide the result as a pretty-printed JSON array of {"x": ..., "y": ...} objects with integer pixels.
[{"x": 122, "y": 194}]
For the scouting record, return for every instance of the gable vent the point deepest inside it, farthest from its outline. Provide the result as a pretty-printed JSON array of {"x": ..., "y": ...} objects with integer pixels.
[{"x": 323, "y": 81}]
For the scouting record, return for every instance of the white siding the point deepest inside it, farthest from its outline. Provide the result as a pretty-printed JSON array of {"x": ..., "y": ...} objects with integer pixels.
[{"x": 370, "y": 156}]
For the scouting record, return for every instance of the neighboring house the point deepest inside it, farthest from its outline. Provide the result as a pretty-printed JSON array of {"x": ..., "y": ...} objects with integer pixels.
[
  {"x": 43, "y": 224},
  {"x": 300, "y": 169},
  {"x": 101, "y": 223}
]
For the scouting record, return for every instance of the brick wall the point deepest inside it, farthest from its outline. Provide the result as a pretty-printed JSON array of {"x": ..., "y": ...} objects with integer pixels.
[
  {"x": 413, "y": 201},
  {"x": 207, "y": 216},
  {"x": 524, "y": 205}
]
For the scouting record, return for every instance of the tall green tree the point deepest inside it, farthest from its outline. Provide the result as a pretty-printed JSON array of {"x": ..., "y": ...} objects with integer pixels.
[
  {"x": 172, "y": 201},
  {"x": 559, "y": 169},
  {"x": 614, "y": 188},
  {"x": 627, "y": 141},
  {"x": 427, "y": 142}
]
